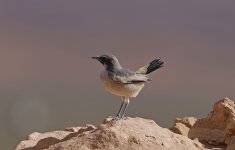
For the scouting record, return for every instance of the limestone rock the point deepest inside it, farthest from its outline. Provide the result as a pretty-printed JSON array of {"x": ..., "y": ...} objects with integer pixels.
[
  {"x": 180, "y": 128},
  {"x": 72, "y": 129},
  {"x": 231, "y": 143},
  {"x": 133, "y": 133},
  {"x": 187, "y": 121},
  {"x": 183, "y": 125},
  {"x": 38, "y": 141},
  {"x": 219, "y": 126},
  {"x": 34, "y": 138},
  {"x": 214, "y": 132}
]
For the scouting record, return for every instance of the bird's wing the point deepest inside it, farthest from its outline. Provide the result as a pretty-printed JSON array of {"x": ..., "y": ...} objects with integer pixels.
[{"x": 125, "y": 76}]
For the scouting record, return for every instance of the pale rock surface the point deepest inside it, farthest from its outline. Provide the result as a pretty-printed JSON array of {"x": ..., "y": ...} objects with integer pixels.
[
  {"x": 38, "y": 141},
  {"x": 187, "y": 121},
  {"x": 216, "y": 132},
  {"x": 180, "y": 128},
  {"x": 130, "y": 134},
  {"x": 231, "y": 143},
  {"x": 218, "y": 127},
  {"x": 182, "y": 125},
  {"x": 41, "y": 140}
]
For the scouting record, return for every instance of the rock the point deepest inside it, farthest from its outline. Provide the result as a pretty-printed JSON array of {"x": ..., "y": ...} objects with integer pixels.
[
  {"x": 187, "y": 121},
  {"x": 180, "y": 128},
  {"x": 183, "y": 125},
  {"x": 87, "y": 129},
  {"x": 218, "y": 127},
  {"x": 133, "y": 133},
  {"x": 231, "y": 143},
  {"x": 38, "y": 141},
  {"x": 72, "y": 129},
  {"x": 214, "y": 132},
  {"x": 34, "y": 138}
]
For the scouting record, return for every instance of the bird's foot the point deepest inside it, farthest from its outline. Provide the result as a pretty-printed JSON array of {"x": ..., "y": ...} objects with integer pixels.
[
  {"x": 120, "y": 117},
  {"x": 117, "y": 117},
  {"x": 124, "y": 117}
]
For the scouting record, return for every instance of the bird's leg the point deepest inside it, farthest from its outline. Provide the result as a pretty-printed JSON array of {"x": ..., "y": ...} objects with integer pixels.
[
  {"x": 120, "y": 109},
  {"x": 119, "y": 112},
  {"x": 127, "y": 101}
]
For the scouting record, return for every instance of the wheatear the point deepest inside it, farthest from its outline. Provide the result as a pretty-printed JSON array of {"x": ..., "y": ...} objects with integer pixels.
[{"x": 124, "y": 82}]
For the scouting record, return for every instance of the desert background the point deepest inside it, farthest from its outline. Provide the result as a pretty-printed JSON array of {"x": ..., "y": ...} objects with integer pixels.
[{"x": 49, "y": 81}]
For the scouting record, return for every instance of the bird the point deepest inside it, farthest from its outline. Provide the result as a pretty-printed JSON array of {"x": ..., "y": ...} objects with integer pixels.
[{"x": 124, "y": 82}]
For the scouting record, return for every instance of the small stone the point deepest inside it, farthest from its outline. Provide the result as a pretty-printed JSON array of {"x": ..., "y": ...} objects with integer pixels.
[{"x": 72, "y": 129}]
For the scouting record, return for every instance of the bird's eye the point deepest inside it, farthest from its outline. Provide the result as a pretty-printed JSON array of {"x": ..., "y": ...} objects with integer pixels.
[{"x": 105, "y": 58}]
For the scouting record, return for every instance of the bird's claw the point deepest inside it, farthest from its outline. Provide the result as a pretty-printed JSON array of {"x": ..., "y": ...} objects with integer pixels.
[
  {"x": 120, "y": 117},
  {"x": 124, "y": 117}
]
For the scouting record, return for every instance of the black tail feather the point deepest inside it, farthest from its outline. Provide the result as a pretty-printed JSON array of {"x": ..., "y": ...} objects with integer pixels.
[{"x": 154, "y": 65}]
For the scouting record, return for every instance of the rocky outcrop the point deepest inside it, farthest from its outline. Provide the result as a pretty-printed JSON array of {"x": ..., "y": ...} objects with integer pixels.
[
  {"x": 183, "y": 125},
  {"x": 133, "y": 133},
  {"x": 231, "y": 143},
  {"x": 38, "y": 141},
  {"x": 218, "y": 128},
  {"x": 215, "y": 132}
]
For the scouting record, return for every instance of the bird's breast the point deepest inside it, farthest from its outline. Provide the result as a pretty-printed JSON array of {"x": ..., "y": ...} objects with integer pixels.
[{"x": 120, "y": 89}]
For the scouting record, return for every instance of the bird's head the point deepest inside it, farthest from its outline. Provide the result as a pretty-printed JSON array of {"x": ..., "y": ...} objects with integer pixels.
[{"x": 109, "y": 61}]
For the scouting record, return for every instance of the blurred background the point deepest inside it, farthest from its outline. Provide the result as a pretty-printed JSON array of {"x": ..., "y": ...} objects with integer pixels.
[{"x": 48, "y": 80}]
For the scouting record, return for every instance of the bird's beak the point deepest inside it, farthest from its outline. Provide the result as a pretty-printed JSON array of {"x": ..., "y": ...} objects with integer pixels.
[{"x": 96, "y": 57}]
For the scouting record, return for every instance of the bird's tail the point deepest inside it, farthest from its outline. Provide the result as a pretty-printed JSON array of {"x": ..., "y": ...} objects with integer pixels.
[{"x": 153, "y": 65}]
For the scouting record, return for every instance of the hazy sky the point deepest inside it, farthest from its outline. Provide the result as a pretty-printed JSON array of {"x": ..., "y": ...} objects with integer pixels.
[{"x": 49, "y": 81}]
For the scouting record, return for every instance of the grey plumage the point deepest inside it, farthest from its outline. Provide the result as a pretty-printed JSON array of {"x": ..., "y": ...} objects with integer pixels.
[
  {"x": 124, "y": 82},
  {"x": 126, "y": 76}
]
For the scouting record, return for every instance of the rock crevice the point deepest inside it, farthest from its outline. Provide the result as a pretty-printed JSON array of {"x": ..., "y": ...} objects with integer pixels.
[{"x": 215, "y": 132}]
